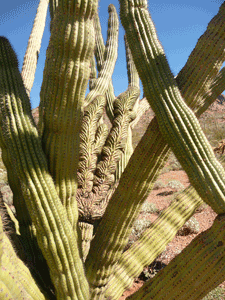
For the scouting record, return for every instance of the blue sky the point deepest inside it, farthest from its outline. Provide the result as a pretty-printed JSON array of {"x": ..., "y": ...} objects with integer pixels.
[{"x": 179, "y": 24}]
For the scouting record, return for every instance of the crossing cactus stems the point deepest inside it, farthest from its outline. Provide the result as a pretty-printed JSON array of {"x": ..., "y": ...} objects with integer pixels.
[{"x": 77, "y": 188}]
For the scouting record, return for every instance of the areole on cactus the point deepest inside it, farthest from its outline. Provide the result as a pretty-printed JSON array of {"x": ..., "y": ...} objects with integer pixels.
[{"x": 78, "y": 185}]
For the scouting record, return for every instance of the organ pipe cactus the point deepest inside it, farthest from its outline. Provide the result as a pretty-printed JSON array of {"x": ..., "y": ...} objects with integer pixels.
[{"x": 78, "y": 185}]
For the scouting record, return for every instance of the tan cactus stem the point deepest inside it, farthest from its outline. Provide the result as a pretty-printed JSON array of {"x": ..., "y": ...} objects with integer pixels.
[
  {"x": 34, "y": 45},
  {"x": 122, "y": 198},
  {"x": 116, "y": 142},
  {"x": 65, "y": 80},
  {"x": 177, "y": 122},
  {"x": 93, "y": 74},
  {"x": 54, "y": 232},
  {"x": 199, "y": 268},
  {"x": 99, "y": 55},
  {"x": 96, "y": 183},
  {"x": 110, "y": 57},
  {"x": 149, "y": 246}
]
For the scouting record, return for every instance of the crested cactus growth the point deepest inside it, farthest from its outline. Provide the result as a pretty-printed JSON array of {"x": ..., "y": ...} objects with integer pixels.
[{"x": 79, "y": 186}]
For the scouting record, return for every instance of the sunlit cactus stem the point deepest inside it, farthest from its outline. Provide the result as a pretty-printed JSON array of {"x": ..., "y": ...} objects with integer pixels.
[
  {"x": 49, "y": 217},
  {"x": 65, "y": 80},
  {"x": 34, "y": 45}
]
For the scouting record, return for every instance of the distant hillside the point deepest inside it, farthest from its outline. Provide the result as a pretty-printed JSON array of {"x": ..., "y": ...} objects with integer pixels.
[{"x": 148, "y": 115}]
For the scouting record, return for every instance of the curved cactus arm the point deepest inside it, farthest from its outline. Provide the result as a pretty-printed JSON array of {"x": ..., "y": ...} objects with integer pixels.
[
  {"x": 99, "y": 55},
  {"x": 26, "y": 227},
  {"x": 34, "y": 45},
  {"x": 177, "y": 122},
  {"x": 198, "y": 269},
  {"x": 110, "y": 57},
  {"x": 206, "y": 67},
  {"x": 141, "y": 161},
  {"x": 142, "y": 108},
  {"x": 152, "y": 242},
  {"x": 54, "y": 232},
  {"x": 65, "y": 80},
  {"x": 23, "y": 217},
  {"x": 216, "y": 88},
  {"x": 133, "y": 80}
]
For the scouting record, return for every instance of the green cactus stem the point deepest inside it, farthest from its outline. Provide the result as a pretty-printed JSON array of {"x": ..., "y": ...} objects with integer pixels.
[
  {"x": 54, "y": 232},
  {"x": 110, "y": 57},
  {"x": 99, "y": 55},
  {"x": 53, "y": 4},
  {"x": 140, "y": 161},
  {"x": 34, "y": 45},
  {"x": 206, "y": 66},
  {"x": 198, "y": 269},
  {"x": 177, "y": 122},
  {"x": 30, "y": 251},
  {"x": 149, "y": 246},
  {"x": 147, "y": 160},
  {"x": 66, "y": 75},
  {"x": 133, "y": 80},
  {"x": 132, "y": 73}
]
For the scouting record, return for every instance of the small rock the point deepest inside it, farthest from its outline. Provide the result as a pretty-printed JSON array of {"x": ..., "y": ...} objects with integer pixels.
[
  {"x": 190, "y": 227},
  {"x": 7, "y": 194}
]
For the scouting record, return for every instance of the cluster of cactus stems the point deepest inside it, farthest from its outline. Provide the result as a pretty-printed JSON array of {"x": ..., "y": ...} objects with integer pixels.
[{"x": 78, "y": 185}]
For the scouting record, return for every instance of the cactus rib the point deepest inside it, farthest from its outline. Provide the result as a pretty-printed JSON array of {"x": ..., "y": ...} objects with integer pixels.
[
  {"x": 53, "y": 230},
  {"x": 65, "y": 80},
  {"x": 177, "y": 122},
  {"x": 110, "y": 57}
]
